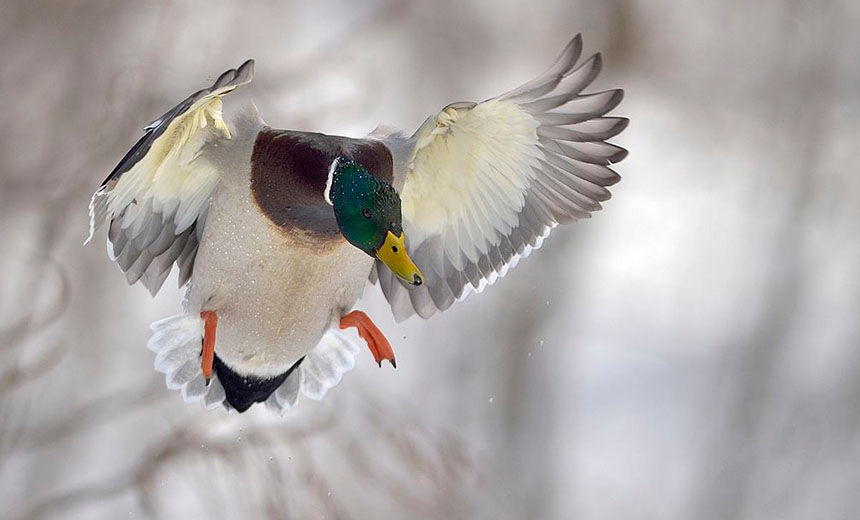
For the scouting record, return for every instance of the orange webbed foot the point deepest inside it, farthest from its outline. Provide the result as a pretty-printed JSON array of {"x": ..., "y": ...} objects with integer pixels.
[{"x": 370, "y": 333}]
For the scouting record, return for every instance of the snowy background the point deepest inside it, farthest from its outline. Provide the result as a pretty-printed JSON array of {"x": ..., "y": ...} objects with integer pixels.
[{"x": 691, "y": 352}]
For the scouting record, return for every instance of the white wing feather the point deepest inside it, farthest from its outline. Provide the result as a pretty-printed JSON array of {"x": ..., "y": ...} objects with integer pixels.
[
  {"x": 156, "y": 199},
  {"x": 169, "y": 177},
  {"x": 469, "y": 176},
  {"x": 486, "y": 182}
]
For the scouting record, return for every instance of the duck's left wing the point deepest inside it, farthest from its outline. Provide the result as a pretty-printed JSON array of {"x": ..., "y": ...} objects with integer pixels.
[
  {"x": 156, "y": 198},
  {"x": 485, "y": 182}
]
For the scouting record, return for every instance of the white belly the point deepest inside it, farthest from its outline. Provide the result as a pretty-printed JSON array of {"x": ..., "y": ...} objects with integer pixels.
[{"x": 274, "y": 298}]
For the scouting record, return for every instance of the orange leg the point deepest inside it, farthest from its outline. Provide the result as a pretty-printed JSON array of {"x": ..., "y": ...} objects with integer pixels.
[
  {"x": 376, "y": 341},
  {"x": 210, "y": 323}
]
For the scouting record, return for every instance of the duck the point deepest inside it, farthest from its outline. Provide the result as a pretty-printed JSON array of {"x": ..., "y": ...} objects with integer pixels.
[{"x": 275, "y": 234}]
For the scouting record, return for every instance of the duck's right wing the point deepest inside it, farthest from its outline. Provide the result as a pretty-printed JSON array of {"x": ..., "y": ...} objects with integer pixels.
[
  {"x": 156, "y": 198},
  {"x": 485, "y": 182}
]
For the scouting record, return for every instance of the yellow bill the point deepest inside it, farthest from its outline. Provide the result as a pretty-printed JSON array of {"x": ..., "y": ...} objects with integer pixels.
[{"x": 393, "y": 254}]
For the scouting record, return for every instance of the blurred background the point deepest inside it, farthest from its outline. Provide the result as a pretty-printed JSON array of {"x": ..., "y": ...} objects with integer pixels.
[{"x": 691, "y": 352}]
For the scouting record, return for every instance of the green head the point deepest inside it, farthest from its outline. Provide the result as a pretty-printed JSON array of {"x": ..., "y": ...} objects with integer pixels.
[{"x": 367, "y": 210}]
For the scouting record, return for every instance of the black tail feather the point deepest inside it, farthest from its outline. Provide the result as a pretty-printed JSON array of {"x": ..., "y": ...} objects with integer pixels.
[{"x": 243, "y": 391}]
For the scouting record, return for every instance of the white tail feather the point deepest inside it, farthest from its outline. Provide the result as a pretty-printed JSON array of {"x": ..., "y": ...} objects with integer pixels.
[
  {"x": 324, "y": 366},
  {"x": 177, "y": 342}
]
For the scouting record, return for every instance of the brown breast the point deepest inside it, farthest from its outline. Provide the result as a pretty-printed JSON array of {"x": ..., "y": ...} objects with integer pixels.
[{"x": 288, "y": 176}]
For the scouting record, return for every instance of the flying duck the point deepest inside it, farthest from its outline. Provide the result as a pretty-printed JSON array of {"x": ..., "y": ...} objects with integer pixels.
[{"x": 276, "y": 233}]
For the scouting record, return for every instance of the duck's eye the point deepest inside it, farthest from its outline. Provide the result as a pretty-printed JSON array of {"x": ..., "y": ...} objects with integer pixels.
[{"x": 365, "y": 212}]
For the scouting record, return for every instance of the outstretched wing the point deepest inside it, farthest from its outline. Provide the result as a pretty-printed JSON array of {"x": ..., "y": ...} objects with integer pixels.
[
  {"x": 486, "y": 182},
  {"x": 156, "y": 198}
]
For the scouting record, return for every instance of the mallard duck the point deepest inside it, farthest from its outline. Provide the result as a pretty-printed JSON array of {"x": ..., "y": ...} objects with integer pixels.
[{"x": 276, "y": 233}]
